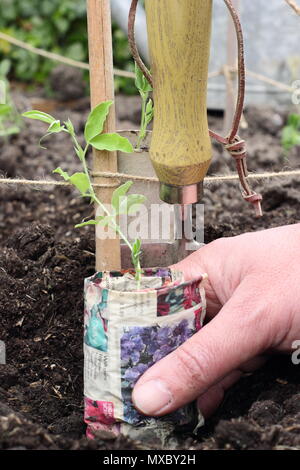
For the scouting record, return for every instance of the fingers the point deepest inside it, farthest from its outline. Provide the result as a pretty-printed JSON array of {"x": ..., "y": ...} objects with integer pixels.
[
  {"x": 193, "y": 265},
  {"x": 213, "y": 397},
  {"x": 204, "y": 260},
  {"x": 234, "y": 336}
]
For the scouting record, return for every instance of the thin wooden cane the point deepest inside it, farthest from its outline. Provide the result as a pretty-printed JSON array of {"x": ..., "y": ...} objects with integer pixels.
[{"x": 108, "y": 253}]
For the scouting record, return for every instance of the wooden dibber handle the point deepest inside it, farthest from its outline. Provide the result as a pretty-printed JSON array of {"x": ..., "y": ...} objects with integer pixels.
[{"x": 179, "y": 39}]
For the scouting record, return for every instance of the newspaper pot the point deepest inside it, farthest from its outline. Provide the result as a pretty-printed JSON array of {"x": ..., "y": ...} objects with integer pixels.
[{"x": 127, "y": 328}]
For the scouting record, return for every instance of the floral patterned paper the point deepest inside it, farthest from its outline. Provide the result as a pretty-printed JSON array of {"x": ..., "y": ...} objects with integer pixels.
[
  {"x": 120, "y": 343},
  {"x": 141, "y": 347}
]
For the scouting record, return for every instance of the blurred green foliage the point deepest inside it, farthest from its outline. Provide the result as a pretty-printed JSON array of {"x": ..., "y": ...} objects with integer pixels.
[
  {"x": 123, "y": 60},
  {"x": 57, "y": 26},
  {"x": 10, "y": 120},
  {"x": 291, "y": 132}
]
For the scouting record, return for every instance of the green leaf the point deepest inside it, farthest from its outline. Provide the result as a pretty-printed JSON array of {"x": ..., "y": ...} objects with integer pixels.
[
  {"x": 62, "y": 173},
  {"x": 70, "y": 127},
  {"x": 138, "y": 77},
  {"x": 102, "y": 220},
  {"x": 5, "y": 109},
  {"x": 290, "y": 137},
  {"x": 76, "y": 50},
  {"x": 136, "y": 252},
  {"x": 79, "y": 152},
  {"x": 5, "y": 66},
  {"x": 81, "y": 182},
  {"x": 55, "y": 127},
  {"x": 136, "y": 247},
  {"x": 40, "y": 116},
  {"x": 149, "y": 112},
  {"x": 130, "y": 204},
  {"x": 149, "y": 107},
  {"x": 141, "y": 82},
  {"x": 120, "y": 192},
  {"x": 96, "y": 120},
  {"x": 84, "y": 224},
  {"x": 112, "y": 142},
  {"x": 294, "y": 121}
]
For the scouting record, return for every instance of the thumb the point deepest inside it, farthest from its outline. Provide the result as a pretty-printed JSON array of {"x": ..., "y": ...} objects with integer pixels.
[{"x": 233, "y": 337}]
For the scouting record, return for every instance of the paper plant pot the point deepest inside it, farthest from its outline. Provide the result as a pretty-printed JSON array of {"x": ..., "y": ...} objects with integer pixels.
[{"x": 128, "y": 328}]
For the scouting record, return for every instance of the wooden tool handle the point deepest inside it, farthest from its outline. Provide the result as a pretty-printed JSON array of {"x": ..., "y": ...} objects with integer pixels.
[{"x": 179, "y": 40}]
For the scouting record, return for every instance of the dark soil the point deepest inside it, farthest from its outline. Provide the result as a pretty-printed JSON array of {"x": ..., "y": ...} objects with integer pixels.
[{"x": 43, "y": 261}]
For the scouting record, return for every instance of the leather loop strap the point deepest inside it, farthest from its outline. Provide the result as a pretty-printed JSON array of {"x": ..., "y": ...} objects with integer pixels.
[
  {"x": 232, "y": 143},
  {"x": 237, "y": 149}
]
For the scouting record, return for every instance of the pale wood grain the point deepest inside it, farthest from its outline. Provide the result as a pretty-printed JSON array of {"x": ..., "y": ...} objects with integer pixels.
[
  {"x": 108, "y": 255},
  {"x": 179, "y": 38}
]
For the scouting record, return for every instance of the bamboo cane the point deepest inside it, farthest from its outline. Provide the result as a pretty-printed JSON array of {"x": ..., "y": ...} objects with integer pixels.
[{"x": 108, "y": 256}]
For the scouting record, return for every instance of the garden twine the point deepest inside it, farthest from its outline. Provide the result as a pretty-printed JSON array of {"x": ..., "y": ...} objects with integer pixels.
[{"x": 125, "y": 177}]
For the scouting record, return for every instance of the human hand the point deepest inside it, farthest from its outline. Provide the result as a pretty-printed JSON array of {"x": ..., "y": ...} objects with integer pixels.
[{"x": 253, "y": 304}]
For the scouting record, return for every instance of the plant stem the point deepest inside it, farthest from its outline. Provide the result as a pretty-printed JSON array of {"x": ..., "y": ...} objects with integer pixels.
[
  {"x": 116, "y": 227},
  {"x": 138, "y": 272},
  {"x": 143, "y": 122}
]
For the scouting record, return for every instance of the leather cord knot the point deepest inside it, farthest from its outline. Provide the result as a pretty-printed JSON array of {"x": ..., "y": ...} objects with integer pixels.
[
  {"x": 237, "y": 148},
  {"x": 253, "y": 198}
]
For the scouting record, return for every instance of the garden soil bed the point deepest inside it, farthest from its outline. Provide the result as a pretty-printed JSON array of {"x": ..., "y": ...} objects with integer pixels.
[{"x": 43, "y": 261}]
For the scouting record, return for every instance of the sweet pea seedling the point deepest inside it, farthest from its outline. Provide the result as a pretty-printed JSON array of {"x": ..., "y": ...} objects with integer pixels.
[
  {"x": 121, "y": 203},
  {"x": 144, "y": 89}
]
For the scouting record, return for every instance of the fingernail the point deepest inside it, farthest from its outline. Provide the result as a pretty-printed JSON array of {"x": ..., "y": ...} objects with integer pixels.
[{"x": 152, "y": 397}]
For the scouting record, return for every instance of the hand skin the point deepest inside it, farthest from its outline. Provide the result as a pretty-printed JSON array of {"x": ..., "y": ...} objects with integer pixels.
[{"x": 253, "y": 307}]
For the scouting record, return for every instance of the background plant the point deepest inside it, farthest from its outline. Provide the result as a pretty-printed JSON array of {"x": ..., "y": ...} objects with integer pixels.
[
  {"x": 291, "y": 132},
  {"x": 122, "y": 202},
  {"x": 58, "y": 26},
  {"x": 55, "y": 25},
  {"x": 10, "y": 120}
]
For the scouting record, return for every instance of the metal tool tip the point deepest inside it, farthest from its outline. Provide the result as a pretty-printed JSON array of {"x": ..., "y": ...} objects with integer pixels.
[{"x": 190, "y": 194}]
